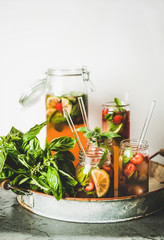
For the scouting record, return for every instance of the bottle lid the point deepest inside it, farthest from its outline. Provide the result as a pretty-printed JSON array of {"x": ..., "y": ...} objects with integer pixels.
[
  {"x": 67, "y": 71},
  {"x": 33, "y": 94}
]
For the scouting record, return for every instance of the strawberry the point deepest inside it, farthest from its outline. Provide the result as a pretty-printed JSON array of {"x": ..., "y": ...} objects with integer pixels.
[
  {"x": 90, "y": 186},
  {"x": 129, "y": 169},
  {"x": 117, "y": 119},
  {"x": 137, "y": 159},
  {"x": 59, "y": 107},
  {"x": 109, "y": 170},
  {"x": 104, "y": 112}
]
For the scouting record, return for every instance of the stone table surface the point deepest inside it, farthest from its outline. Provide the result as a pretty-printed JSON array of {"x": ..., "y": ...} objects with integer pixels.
[{"x": 17, "y": 223}]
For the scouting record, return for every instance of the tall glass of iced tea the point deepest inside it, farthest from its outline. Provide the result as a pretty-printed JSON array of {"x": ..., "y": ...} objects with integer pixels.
[
  {"x": 133, "y": 168},
  {"x": 116, "y": 118}
]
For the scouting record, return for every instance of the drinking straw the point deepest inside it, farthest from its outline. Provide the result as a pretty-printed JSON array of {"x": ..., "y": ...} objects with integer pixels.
[
  {"x": 83, "y": 111},
  {"x": 73, "y": 129},
  {"x": 145, "y": 127}
]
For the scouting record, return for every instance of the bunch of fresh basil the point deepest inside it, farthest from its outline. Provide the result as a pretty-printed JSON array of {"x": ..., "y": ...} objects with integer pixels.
[{"x": 26, "y": 165}]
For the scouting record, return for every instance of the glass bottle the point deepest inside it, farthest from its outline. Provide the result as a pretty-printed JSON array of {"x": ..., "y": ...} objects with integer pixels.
[
  {"x": 133, "y": 168},
  {"x": 95, "y": 176}
]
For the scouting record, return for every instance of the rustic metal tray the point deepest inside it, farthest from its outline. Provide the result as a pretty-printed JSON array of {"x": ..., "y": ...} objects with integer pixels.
[{"x": 104, "y": 210}]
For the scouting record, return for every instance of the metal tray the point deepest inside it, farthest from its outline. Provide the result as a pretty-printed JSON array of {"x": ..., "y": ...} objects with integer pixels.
[{"x": 104, "y": 210}]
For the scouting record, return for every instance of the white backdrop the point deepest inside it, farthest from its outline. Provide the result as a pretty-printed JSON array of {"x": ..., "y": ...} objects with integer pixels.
[{"x": 120, "y": 41}]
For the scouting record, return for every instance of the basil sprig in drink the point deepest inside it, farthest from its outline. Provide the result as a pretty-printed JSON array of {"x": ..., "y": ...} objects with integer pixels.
[
  {"x": 94, "y": 171},
  {"x": 116, "y": 118}
]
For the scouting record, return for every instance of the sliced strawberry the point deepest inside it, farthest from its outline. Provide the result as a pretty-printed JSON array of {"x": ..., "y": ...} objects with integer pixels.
[
  {"x": 90, "y": 186},
  {"x": 129, "y": 169},
  {"x": 59, "y": 107},
  {"x": 117, "y": 119},
  {"x": 137, "y": 159}
]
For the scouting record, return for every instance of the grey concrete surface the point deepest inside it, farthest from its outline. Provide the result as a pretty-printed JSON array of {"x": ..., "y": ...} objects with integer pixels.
[{"x": 16, "y": 223}]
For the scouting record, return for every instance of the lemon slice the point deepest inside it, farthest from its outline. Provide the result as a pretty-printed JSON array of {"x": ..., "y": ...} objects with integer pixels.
[
  {"x": 65, "y": 104},
  {"x": 52, "y": 101},
  {"x": 101, "y": 180},
  {"x": 50, "y": 111},
  {"x": 116, "y": 128}
]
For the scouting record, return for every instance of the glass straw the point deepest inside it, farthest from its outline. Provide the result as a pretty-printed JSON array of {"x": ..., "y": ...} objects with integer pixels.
[
  {"x": 145, "y": 127},
  {"x": 73, "y": 129},
  {"x": 83, "y": 111}
]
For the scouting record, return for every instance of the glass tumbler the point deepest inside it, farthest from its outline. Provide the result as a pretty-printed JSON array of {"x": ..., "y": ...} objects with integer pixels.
[
  {"x": 133, "y": 168},
  {"x": 116, "y": 118},
  {"x": 95, "y": 174}
]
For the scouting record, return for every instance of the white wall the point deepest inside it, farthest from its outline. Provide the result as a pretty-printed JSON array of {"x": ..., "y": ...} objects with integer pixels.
[{"x": 120, "y": 41}]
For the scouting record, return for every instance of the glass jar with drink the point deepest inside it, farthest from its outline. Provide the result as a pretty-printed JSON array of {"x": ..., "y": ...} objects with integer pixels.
[
  {"x": 133, "y": 168},
  {"x": 62, "y": 88},
  {"x": 95, "y": 174},
  {"x": 116, "y": 118}
]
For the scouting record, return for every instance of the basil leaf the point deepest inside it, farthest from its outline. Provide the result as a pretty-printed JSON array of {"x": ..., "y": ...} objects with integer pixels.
[
  {"x": 54, "y": 182},
  {"x": 82, "y": 129},
  {"x": 66, "y": 156},
  {"x": 23, "y": 161},
  {"x": 43, "y": 182},
  {"x": 83, "y": 178},
  {"x": 68, "y": 183},
  {"x": 47, "y": 151},
  {"x": 24, "y": 180},
  {"x": 118, "y": 103},
  {"x": 67, "y": 167},
  {"x": 127, "y": 155},
  {"x": 33, "y": 131},
  {"x": 18, "y": 179},
  {"x": 68, "y": 178},
  {"x": 97, "y": 130},
  {"x": 103, "y": 159},
  {"x": 3, "y": 156},
  {"x": 15, "y": 136},
  {"x": 34, "y": 182},
  {"x": 108, "y": 135},
  {"x": 33, "y": 144},
  {"x": 91, "y": 134},
  {"x": 62, "y": 144},
  {"x": 108, "y": 116}
]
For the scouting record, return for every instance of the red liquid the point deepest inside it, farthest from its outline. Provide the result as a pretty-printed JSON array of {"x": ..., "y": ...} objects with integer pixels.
[
  {"x": 136, "y": 184},
  {"x": 122, "y": 129}
]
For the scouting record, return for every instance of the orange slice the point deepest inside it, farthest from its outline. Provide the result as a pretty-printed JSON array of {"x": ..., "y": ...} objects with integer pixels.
[{"x": 101, "y": 180}]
